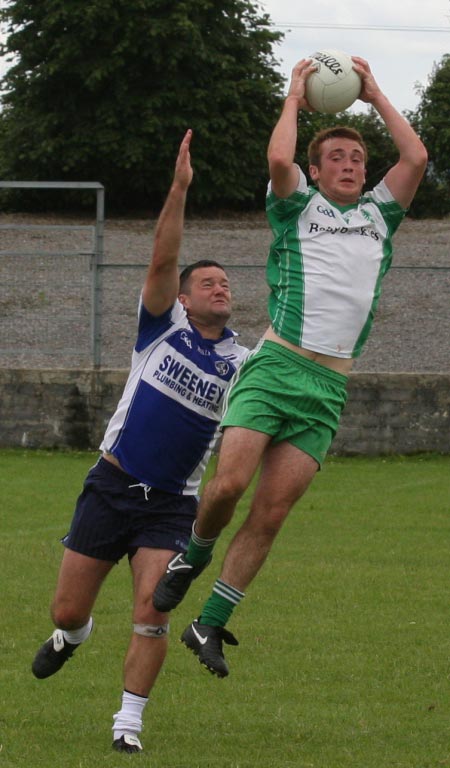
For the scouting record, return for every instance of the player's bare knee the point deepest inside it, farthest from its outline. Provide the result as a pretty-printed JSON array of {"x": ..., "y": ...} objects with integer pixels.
[
  {"x": 144, "y": 612},
  {"x": 265, "y": 522},
  {"x": 66, "y": 617},
  {"x": 228, "y": 488}
]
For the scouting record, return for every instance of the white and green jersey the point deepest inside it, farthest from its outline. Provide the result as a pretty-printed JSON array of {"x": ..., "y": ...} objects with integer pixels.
[{"x": 325, "y": 266}]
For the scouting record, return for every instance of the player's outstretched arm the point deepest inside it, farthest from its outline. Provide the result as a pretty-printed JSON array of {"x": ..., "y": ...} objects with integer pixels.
[
  {"x": 405, "y": 176},
  {"x": 161, "y": 284},
  {"x": 283, "y": 142}
]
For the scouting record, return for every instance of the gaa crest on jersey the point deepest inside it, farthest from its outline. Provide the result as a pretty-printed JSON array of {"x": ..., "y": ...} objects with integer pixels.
[
  {"x": 222, "y": 367},
  {"x": 186, "y": 338}
]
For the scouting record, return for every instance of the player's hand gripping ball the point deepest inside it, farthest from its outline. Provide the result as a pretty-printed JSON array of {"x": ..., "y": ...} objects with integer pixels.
[{"x": 335, "y": 85}]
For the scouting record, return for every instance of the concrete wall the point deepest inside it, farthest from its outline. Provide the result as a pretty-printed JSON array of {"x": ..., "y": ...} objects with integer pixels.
[
  {"x": 395, "y": 413},
  {"x": 67, "y": 408},
  {"x": 57, "y": 408}
]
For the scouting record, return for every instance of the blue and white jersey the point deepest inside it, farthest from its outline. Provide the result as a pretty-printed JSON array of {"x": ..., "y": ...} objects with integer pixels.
[{"x": 167, "y": 421}]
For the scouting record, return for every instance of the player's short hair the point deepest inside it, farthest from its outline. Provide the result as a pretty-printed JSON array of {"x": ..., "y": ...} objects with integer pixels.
[
  {"x": 187, "y": 272},
  {"x": 336, "y": 132}
]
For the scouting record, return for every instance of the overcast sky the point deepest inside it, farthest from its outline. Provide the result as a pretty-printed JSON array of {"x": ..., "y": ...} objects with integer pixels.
[{"x": 398, "y": 57}]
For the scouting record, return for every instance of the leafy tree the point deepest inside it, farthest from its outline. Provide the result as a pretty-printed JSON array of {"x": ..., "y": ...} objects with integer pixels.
[
  {"x": 432, "y": 120},
  {"x": 103, "y": 90}
]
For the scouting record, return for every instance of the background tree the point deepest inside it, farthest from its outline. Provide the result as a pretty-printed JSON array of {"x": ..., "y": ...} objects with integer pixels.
[
  {"x": 103, "y": 90},
  {"x": 432, "y": 121}
]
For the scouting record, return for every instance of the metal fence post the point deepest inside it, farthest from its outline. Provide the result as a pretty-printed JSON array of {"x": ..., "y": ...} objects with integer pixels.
[{"x": 96, "y": 279}]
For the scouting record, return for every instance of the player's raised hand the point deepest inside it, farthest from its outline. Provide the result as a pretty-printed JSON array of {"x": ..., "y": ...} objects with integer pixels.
[
  {"x": 183, "y": 168},
  {"x": 297, "y": 87},
  {"x": 370, "y": 89}
]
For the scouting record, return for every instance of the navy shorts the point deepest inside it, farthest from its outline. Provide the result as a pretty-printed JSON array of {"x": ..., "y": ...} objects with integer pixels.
[{"x": 115, "y": 514}]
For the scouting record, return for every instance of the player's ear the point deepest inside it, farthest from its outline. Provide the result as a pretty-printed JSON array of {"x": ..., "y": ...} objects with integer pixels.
[
  {"x": 183, "y": 299},
  {"x": 314, "y": 172}
]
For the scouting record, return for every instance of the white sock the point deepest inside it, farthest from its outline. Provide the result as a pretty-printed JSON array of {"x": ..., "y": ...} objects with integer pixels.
[
  {"x": 129, "y": 718},
  {"x": 77, "y": 636}
]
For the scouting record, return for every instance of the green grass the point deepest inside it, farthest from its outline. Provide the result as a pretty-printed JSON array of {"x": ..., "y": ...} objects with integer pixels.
[{"x": 344, "y": 636}]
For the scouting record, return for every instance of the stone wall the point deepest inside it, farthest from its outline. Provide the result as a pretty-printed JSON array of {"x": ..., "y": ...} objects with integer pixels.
[
  {"x": 67, "y": 408},
  {"x": 57, "y": 408},
  {"x": 395, "y": 413}
]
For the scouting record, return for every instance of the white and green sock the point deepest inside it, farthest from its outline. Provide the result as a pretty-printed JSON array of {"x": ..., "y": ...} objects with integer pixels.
[
  {"x": 199, "y": 550},
  {"x": 221, "y": 604}
]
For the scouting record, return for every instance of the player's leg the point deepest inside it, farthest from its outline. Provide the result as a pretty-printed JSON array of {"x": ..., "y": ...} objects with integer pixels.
[
  {"x": 285, "y": 475},
  {"x": 79, "y": 581},
  {"x": 312, "y": 399},
  {"x": 160, "y": 525},
  {"x": 148, "y": 643},
  {"x": 94, "y": 543},
  {"x": 146, "y": 651},
  {"x": 239, "y": 457}
]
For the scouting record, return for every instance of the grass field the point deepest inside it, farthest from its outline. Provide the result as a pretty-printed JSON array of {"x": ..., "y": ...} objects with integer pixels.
[{"x": 344, "y": 636}]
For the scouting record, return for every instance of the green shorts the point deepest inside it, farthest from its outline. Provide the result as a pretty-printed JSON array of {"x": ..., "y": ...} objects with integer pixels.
[{"x": 289, "y": 397}]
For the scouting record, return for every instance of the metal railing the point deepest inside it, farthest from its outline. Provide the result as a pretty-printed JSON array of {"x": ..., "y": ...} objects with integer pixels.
[{"x": 81, "y": 311}]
